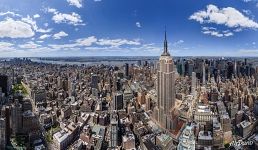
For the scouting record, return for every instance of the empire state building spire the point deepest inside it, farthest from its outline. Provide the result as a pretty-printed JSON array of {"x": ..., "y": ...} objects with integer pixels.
[{"x": 165, "y": 51}]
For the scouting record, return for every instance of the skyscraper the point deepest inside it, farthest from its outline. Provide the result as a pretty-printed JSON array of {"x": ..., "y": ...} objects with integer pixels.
[
  {"x": 4, "y": 83},
  {"x": 16, "y": 117},
  {"x": 183, "y": 66},
  {"x": 5, "y": 113},
  {"x": 193, "y": 87},
  {"x": 2, "y": 133},
  {"x": 113, "y": 132},
  {"x": 203, "y": 73},
  {"x": 94, "y": 81},
  {"x": 118, "y": 101},
  {"x": 166, "y": 88},
  {"x": 127, "y": 70}
]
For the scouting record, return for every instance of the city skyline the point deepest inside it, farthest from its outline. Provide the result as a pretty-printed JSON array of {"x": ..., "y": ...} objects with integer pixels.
[
  {"x": 128, "y": 28},
  {"x": 191, "y": 103},
  {"x": 128, "y": 74}
]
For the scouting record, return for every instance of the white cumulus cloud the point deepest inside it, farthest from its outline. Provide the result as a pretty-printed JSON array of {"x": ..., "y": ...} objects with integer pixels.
[
  {"x": 138, "y": 24},
  {"x": 117, "y": 42},
  {"x": 17, "y": 26},
  {"x": 34, "y": 25},
  {"x": 227, "y": 16},
  {"x": 15, "y": 29},
  {"x": 9, "y": 13},
  {"x": 247, "y": 1},
  {"x": 86, "y": 41},
  {"x": 214, "y": 32},
  {"x": 59, "y": 35},
  {"x": 51, "y": 10},
  {"x": 44, "y": 36},
  {"x": 228, "y": 34},
  {"x": 72, "y": 18},
  {"x": 77, "y": 3},
  {"x": 36, "y": 16}
]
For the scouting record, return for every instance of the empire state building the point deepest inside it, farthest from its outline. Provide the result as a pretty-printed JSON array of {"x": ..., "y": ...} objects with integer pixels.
[{"x": 165, "y": 88}]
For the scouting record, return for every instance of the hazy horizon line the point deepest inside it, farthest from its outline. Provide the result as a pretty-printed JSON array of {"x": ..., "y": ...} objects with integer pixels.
[{"x": 122, "y": 56}]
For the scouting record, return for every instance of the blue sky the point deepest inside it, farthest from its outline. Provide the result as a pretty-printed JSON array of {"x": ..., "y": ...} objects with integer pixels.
[{"x": 128, "y": 27}]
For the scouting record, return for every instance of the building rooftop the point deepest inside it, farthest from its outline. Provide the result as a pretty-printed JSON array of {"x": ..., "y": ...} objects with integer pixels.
[
  {"x": 150, "y": 146},
  {"x": 187, "y": 140},
  {"x": 203, "y": 108},
  {"x": 164, "y": 139},
  {"x": 61, "y": 135},
  {"x": 39, "y": 147},
  {"x": 98, "y": 130},
  {"x": 245, "y": 123},
  {"x": 28, "y": 113},
  {"x": 128, "y": 136},
  {"x": 205, "y": 135}
]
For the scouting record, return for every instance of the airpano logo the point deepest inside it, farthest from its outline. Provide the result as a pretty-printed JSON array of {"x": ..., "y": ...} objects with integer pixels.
[{"x": 241, "y": 143}]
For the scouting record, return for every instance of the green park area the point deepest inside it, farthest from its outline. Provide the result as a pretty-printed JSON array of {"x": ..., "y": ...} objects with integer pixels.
[
  {"x": 50, "y": 132},
  {"x": 18, "y": 142},
  {"x": 20, "y": 88}
]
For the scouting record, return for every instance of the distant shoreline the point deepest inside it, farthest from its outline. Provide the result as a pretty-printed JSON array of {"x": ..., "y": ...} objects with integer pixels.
[{"x": 122, "y": 58}]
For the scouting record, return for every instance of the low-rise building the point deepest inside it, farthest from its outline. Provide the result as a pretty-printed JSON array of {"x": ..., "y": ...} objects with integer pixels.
[{"x": 128, "y": 141}]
